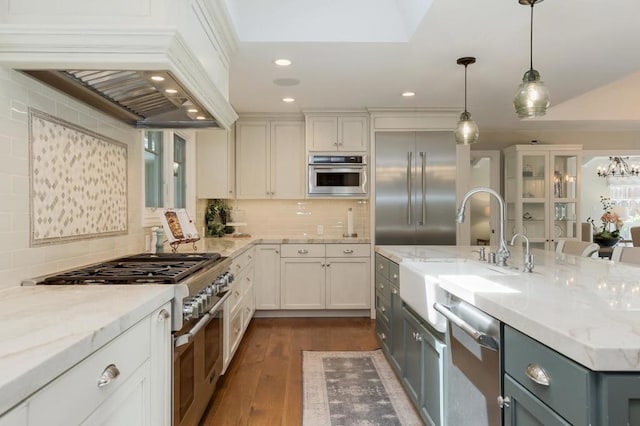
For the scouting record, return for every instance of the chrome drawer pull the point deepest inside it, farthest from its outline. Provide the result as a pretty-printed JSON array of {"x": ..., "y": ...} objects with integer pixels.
[
  {"x": 394, "y": 291},
  {"x": 347, "y": 251},
  {"x": 504, "y": 402},
  {"x": 108, "y": 375},
  {"x": 538, "y": 375},
  {"x": 303, "y": 251}
]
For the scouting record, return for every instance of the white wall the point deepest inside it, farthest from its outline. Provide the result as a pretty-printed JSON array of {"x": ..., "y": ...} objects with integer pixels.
[{"x": 17, "y": 260}]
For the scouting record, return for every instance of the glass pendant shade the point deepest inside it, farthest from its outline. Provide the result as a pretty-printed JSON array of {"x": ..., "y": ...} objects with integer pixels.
[
  {"x": 466, "y": 132},
  {"x": 532, "y": 98}
]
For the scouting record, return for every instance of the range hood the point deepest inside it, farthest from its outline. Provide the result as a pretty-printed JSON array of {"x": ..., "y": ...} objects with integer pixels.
[{"x": 143, "y": 99}]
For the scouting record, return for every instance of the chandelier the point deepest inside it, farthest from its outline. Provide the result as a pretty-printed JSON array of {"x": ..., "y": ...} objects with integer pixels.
[{"x": 618, "y": 167}]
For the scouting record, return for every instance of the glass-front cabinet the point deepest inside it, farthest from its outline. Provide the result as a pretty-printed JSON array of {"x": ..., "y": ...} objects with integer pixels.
[{"x": 541, "y": 192}]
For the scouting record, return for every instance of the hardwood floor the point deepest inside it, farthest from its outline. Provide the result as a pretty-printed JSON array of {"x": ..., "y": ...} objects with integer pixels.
[{"x": 263, "y": 384}]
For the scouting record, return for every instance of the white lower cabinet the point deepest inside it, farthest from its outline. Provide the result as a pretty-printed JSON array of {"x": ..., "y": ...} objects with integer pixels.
[
  {"x": 325, "y": 276},
  {"x": 16, "y": 417},
  {"x": 127, "y": 381},
  {"x": 267, "y": 272},
  {"x": 303, "y": 283},
  {"x": 240, "y": 305}
]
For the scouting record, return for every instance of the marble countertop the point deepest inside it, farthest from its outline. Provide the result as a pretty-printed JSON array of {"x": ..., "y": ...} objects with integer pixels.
[
  {"x": 230, "y": 247},
  {"x": 48, "y": 329},
  {"x": 587, "y": 309}
]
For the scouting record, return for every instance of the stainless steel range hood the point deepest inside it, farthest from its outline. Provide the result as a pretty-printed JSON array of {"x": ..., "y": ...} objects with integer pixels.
[{"x": 144, "y": 99}]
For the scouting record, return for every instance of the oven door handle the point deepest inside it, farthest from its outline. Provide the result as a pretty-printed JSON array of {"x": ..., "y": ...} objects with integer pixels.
[
  {"x": 481, "y": 338},
  {"x": 186, "y": 338}
]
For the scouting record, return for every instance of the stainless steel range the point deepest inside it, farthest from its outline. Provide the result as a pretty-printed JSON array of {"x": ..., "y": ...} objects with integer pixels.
[{"x": 201, "y": 282}]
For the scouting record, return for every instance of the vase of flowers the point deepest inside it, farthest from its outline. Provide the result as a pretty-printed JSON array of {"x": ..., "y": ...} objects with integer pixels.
[{"x": 607, "y": 234}]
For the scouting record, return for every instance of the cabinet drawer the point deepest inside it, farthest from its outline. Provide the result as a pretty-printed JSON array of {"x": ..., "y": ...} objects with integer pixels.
[
  {"x": 348, "y": 250},
  {"x": 235, "y": 331},
  {"x": 383, "y": 334},
  {"x": 242, "y": 261},
  {"x": 73, "y": 396},
  {"x": 394, "y": 274},
  {"x": 382, "y": 265},
  {"x": 303, "y": 250},
  {"x": 571, "y": 386},
  {"x": 383, "y": 309},
  {"x": 235, "y": 296},
  {"x": 383, "y": 287}
]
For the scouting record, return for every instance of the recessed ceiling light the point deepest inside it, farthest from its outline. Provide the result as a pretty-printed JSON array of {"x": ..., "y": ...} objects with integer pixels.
[
  {"x": 282, "y": 62},
  {"x": 200, "y": 117},
  {"x": 171, "y": 91},
  {"x": 192, "y": 110},
  {"x": 288, "y": 100},
  {"x": 408, "y": 94},
  {"x": 157, "y": 78}
]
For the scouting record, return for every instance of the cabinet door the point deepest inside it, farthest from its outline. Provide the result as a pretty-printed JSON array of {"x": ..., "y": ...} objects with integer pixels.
[
  {"x": 412, "y": 368},
  {"x": 253, "y": 159},
  {"x": 287, "y": 166},
  {"x": 524, "y": 409},
  {"x": 322, "y": 133},
  {"x": 16, "y": 417},
  {"x": 302, "y": 283},
  {"x": 348, "y": 285},
  {"x": 267, "y": 271},
  {"x": 566, "y": 167},
  {"x": 352, "y": 133},
  {"x": 129, "y": 406},
  {"x": 161, "y": 361},
  {"x": 215, "y": 164},
  {"x": 397, "y": 338}
]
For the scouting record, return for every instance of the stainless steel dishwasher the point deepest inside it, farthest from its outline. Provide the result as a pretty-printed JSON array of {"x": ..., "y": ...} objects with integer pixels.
[{"x": 472, "y": 367}]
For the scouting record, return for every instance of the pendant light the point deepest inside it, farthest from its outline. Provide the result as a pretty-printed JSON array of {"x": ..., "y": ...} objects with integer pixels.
[
  {"x": 467, "y": 130},
  {"x": 532, "y": 98}
]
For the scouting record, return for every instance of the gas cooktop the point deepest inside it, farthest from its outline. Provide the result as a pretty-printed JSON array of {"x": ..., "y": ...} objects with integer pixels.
[{"x": 143, "y": 268}]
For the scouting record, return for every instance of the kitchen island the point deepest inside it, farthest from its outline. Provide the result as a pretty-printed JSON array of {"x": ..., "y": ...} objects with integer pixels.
[{"x": 576, "y": 317}]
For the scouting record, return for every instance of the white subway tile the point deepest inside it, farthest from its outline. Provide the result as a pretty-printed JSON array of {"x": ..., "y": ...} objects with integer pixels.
[{"x": 36, "y": 99}]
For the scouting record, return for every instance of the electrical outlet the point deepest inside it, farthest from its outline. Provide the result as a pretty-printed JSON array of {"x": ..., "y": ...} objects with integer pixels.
[{"x": 320, "y": 229}]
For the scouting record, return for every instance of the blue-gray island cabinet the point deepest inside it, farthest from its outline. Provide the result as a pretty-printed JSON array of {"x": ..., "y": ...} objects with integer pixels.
[{"x": 584, "y": 345}]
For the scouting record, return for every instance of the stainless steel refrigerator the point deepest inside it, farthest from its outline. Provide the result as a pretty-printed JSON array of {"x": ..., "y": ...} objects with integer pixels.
[{"x": 415, "y": 188}]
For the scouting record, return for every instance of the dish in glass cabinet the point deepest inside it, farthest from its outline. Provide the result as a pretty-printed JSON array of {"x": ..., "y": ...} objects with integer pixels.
[{"x": 558, "y": 230}]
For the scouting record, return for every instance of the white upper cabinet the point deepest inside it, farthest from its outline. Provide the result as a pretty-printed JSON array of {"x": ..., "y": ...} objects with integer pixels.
[
  {"x": 349, "y": 133},
  {"x": 270, "y": 159},
  {"x": 215, "y": 167}
]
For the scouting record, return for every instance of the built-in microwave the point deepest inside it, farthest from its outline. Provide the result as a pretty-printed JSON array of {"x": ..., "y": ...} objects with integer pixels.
[{"x": 337, "y": 176}]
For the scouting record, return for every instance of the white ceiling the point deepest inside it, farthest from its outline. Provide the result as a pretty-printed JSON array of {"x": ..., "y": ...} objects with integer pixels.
[{"x": 354, "y": 54}]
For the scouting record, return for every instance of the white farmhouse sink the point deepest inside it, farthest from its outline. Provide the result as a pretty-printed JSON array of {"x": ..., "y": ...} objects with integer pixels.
[{"x": 421, "y": 280}]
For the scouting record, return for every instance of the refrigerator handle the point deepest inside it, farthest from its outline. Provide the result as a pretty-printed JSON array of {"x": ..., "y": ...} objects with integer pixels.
[
  {"x": 409, "y": 162},
  {"x": 423, "y": 156}
]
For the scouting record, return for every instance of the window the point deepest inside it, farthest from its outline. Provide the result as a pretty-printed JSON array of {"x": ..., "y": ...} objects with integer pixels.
[
  {"x": 169, "y": 171},
  {"x": 179, "y": 171},
  {"x": 153, "y": 160}
]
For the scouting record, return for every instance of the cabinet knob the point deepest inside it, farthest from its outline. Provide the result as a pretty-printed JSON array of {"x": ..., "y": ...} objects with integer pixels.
[
  {"x": 395, "y": 276},
  {"x": 383, "y": 336},
  {"x": 394, "y": 291},
  {"x": 381, "y": 285},
  {"x": 277, "y": 251},
  {"x": 347, "y": 251},
  {"x": 538, "y": 374},
  {"x": 163, "y": 315},
  {"x": 108, "y": 375},
  {"x": 504, "y": 402},
  {"x": 303, "y": 251}
]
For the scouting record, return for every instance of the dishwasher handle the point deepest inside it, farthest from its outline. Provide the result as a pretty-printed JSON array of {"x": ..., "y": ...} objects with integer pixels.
[{"x": 481, "y": 338}]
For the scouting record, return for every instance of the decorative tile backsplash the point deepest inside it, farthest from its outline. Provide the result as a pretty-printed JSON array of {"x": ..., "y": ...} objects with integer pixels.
[{"x": 78, "y": 181}]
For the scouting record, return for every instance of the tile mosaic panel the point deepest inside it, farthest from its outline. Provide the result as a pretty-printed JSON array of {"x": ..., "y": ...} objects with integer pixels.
[{"x": 78, "y": 182}]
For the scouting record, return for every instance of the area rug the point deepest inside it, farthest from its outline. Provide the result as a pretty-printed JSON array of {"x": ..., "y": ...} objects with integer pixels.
[{"x": 353, "y": 389}]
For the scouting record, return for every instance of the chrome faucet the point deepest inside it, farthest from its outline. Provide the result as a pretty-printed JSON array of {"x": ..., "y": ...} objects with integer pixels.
[
  {"x": 503, "y": 251},
  {"x": 528, "y": 257}
]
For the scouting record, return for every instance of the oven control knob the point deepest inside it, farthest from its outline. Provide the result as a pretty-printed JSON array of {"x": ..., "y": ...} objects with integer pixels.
[
  {"x": 190, "y": 311},
  {"x": 202, "y": 303}
]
